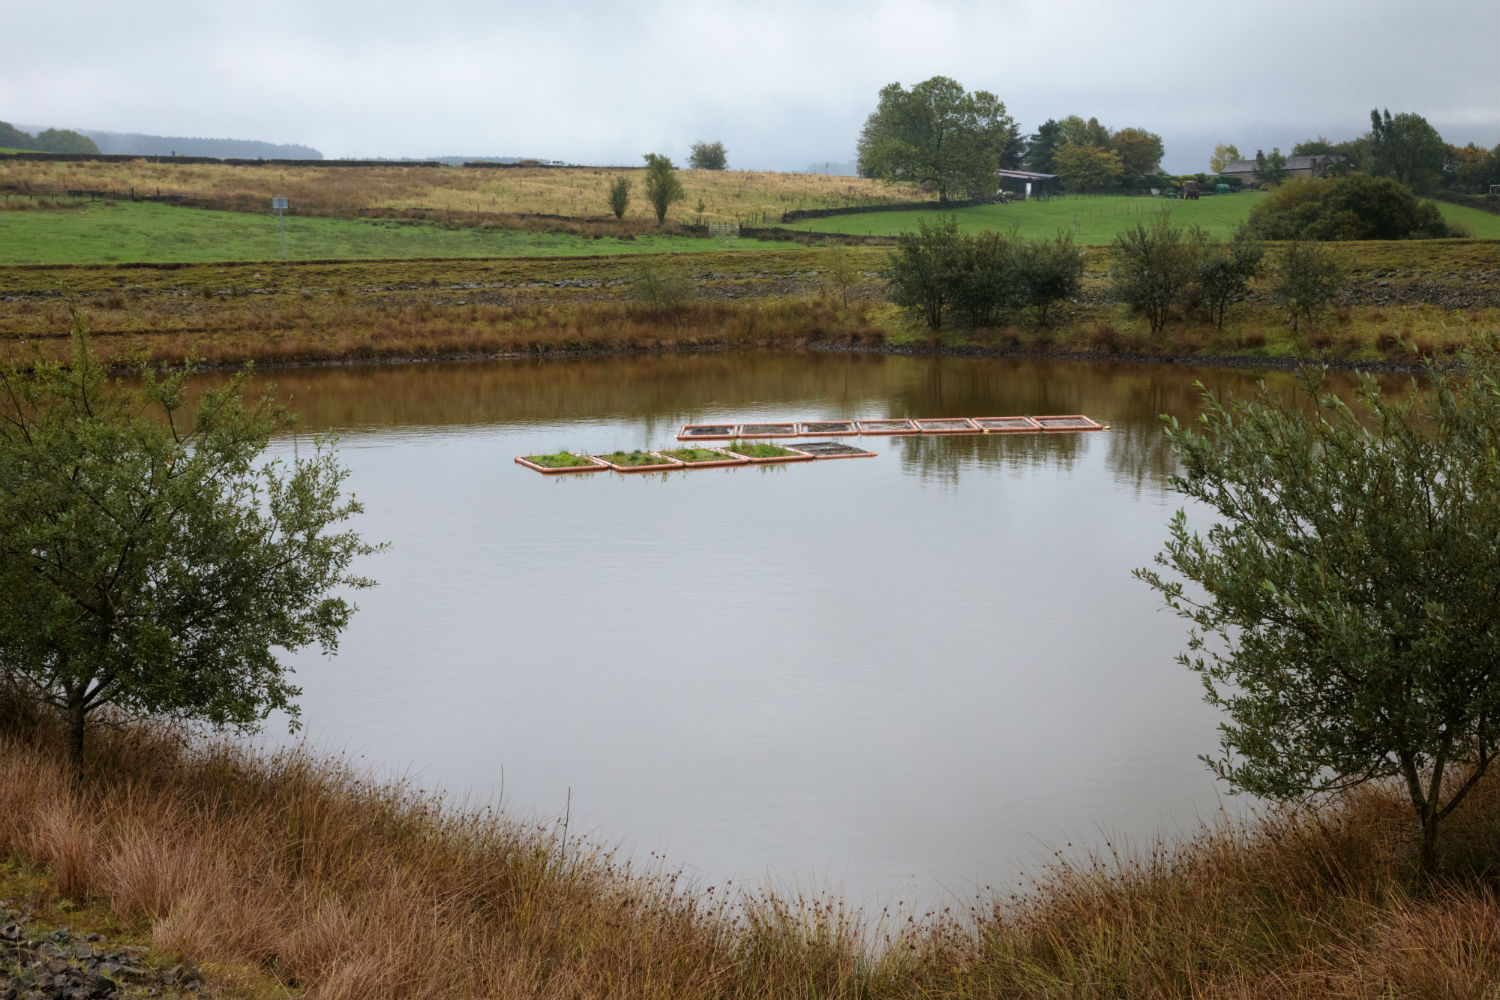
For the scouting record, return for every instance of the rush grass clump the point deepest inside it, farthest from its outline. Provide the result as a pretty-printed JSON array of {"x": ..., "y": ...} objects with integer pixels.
[{"x": 338, "y": 886}]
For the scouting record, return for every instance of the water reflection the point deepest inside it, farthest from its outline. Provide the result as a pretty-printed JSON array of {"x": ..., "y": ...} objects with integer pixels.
[
  {"x": 659, "y": 393},
  {"x": 911, "y": 671}
]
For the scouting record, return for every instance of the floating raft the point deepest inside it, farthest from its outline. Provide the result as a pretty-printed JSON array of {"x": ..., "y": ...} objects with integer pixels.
[
  {"x": 708, "y": 432},
  {"x": 833, "y": 449},
  {"x": 894, "y": 425},
  {"x": 762, "y": 431},
  {"x": 790, "y": 455},
  {"x": 1007, "y": 425},
  {"x": 662, "y": 463},
  {"x": 717, "y": 458},
  {"x": 592, "y": 465},
  {"x": 945, "y": 425},
  {"x": 1069, "y": 422},
  {"x": 827, "y": 428}
]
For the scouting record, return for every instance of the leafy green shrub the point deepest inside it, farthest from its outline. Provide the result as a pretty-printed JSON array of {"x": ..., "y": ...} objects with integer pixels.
[
  {"x": 1049, "y": 271},
  {"x": 662, "y": 186},
  {"x": 708, "y": 156},
  {"x": 923, "y": 269},
  {"x": 1155, "y": 267},
  {"x": 619, "y": 196},
  {"x": 1308, "y": 279},
  {"x": 1352, "y": 207},
  {"x": 982, "y": 276},
  {"x": 1226, "y": 270},
  {"x": 985, "y": 280},
  {"x": 664, "y": 291}
]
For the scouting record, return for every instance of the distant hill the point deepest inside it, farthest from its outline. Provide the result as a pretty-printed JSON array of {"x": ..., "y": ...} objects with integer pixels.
[{"x": 137, "y": 144}]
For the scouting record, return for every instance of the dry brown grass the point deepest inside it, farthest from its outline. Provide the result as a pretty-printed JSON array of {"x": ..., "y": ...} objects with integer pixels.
[
  {"x": 299, "y": 333},
  {"x": 452, "y": 195},
  {"x": 782, "y": 297},
  {"x": 346, "y": 888}
]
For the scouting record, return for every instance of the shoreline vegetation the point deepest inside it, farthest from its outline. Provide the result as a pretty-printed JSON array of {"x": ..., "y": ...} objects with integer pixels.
[
  {"x": 285, "y": 871},
  {"x": 1402, "y": 302}
]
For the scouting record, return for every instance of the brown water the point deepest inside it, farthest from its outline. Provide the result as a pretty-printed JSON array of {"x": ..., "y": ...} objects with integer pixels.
[{"x": 913, "y": 674}]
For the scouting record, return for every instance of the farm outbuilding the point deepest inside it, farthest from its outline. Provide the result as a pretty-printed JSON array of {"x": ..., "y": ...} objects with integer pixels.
[
  {"x": 1026, "y": 184},
  {"x": 1296, "y": 166}
]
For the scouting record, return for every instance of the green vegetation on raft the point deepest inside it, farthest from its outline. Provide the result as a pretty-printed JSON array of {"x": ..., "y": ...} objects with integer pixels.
[
  {"x": 632, "y": 459},
  {"x": 759, "y": 449},
  {"x": 694, "y": 456},
  {"x": 559, "y": 460}
]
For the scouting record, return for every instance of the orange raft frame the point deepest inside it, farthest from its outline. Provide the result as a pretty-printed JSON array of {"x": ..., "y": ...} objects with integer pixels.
[
  {"x": 821, "y": 450},
  {"x": 1068, "y": 422},
  {"x": 724, "y": 461},
  {"x": 826, "y": 428},
  {"x": 945, "y": 425},
  {"x": 562, "y": 470},
  {"x": 796, "y": 456},
  {"x": 895, "y": 425},
  {"x": 708, "y": 432},
  {"x": 666, "y": 464},
  {"x": 1006, "y": 425},
  {"x": 767, "y": 429}
]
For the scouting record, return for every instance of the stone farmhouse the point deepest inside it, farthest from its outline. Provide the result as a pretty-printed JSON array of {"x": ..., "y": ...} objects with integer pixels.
[{"x": 1296, "y": 166}]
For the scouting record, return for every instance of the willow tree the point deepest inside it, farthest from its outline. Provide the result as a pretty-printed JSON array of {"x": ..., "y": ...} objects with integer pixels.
[
  {"x": 154, "y": 564},
  {"x": 662, "y": 186},
  {"x": 1345, "y": 605}
]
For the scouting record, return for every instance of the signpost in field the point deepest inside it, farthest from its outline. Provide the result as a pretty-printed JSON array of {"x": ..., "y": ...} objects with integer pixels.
[{"x": 280, "y": 205}]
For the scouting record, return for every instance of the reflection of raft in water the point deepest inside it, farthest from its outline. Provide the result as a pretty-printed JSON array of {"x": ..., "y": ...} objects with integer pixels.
[{"x": 1065, "y": 422}]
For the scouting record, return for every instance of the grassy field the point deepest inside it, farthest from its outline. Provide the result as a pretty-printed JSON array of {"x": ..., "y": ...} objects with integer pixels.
[
  {"x": 430, "y": 212},
  {"x": 104, "y": 232},
  {"x": 98, "y": 232},
  {"x": 452, "y": 195},
  {"x": 296, "y": 873},
  {"x": 1095, "y": 220}
]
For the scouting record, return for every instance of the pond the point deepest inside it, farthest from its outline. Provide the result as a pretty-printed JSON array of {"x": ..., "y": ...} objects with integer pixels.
[{"x": 910, "y": 675}]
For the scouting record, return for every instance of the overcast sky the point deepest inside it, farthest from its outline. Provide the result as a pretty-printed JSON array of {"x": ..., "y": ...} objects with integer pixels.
[{"x": 781, "y": 84}]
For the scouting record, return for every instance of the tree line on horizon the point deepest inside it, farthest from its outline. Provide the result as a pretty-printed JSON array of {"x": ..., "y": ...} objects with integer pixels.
[
  {"x": 1404, "y": 147},
  {"x": 51, "y": 140},
  {"x": 92, "y": 141},
  {"x": 956, "y": 142}
]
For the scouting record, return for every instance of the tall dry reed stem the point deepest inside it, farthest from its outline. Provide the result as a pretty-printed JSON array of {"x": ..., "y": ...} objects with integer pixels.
[{"x": 344, "y": 887}]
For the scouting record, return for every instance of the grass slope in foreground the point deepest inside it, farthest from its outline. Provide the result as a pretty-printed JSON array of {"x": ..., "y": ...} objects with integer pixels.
[
  {"x": 104, "y": 233},
  {"x": 1095, "y": 220},
  {"x": 309, "y": 872}
]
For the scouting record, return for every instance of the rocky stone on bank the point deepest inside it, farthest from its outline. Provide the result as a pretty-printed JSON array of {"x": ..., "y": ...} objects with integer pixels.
[{"x": 61, "y": 965}]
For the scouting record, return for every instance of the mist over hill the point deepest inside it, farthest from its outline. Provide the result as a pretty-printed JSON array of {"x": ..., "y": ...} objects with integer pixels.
[
  {"x": 849, "y": 168},
  {"x": 139, "y": 144}
]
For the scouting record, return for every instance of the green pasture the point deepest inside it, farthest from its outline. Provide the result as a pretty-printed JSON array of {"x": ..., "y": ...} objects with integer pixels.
[
  {"x": 149, "y": 232},
  {"x": 103, "y": 233},
  {"x": 1094, "y": 220},
  {"x": 1481, "y": 225}
]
